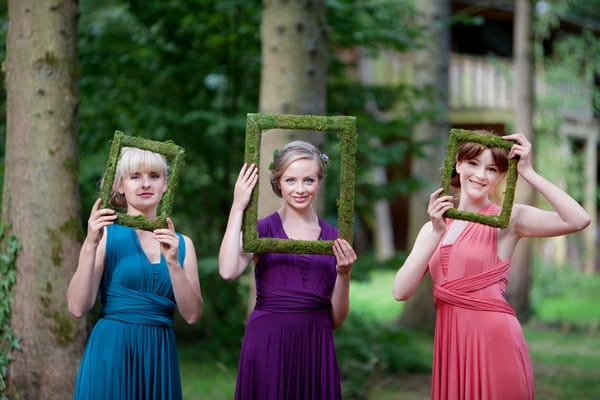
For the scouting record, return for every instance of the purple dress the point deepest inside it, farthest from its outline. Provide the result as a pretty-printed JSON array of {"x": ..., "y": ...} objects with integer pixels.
[{"x": 288, "y": 352}]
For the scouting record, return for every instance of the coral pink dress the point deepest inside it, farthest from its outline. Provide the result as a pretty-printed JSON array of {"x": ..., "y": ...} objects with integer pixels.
[{"x": 479, "y": 348}]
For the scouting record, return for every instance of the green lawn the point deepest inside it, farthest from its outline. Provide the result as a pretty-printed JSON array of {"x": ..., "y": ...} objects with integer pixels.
[{"x": 563, "y": 339}]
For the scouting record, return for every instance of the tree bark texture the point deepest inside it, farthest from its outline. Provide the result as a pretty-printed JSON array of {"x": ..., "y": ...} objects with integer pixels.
[
  {"x": 41, "y": 195},
  {"x": 431, "y": 73},
  {"x": 293, "y": 76},
  {"x": 519, "y": 281}
]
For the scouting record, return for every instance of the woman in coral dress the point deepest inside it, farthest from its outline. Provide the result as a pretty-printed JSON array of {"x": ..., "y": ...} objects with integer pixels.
[
  {"x": 479, "y": 348},
  {"x": 288, "y": 350}
]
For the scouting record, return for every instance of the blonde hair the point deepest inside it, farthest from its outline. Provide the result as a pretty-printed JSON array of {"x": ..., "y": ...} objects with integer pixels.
[
  {"x": 133, "y": 159},
  {"x": 294, "y": 151}
]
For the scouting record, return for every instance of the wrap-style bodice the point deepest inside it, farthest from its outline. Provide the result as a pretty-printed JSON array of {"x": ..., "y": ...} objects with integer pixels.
[{"x": 479, "y": 348}]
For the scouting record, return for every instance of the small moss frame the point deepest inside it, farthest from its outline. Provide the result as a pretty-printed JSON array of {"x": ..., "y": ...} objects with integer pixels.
[
  {"x": 175, "y": 159},
  {"x": 345, "y": 126},
  {"x": 458, "y": 136}
]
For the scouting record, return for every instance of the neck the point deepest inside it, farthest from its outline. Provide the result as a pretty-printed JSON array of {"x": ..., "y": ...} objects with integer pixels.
[
  {"x": 149, "y": 214},
  {"x": 473, "y": 206},
  {"x": 307, "y": 216}
]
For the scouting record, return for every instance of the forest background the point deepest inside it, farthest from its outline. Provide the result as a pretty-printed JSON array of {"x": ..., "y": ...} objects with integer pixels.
[{"x": 189, "y": 71}]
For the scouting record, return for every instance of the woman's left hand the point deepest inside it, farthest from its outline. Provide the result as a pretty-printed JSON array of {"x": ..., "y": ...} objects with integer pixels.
[
  {"x": 344, "y": 254},
  {"x": 169, "y": 242},
  {"x": 522, "y": 149}
]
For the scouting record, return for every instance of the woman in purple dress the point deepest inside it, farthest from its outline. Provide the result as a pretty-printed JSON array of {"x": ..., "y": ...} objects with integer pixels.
[{"x": 288, "y": 350}]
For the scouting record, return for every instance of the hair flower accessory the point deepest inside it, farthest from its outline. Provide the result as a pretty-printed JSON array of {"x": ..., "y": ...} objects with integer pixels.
[{"x": 324, "y": 158}]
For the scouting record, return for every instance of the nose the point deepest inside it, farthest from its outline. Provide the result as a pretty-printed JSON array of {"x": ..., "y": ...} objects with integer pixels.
[
  {"x": 480, "y": 172},
  {"x": 300, "y": 187}
]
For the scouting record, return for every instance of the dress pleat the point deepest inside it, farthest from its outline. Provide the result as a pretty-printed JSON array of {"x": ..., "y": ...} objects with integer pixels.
[
  {"x": 288, "y": 351},
  {"x": 479, "y": 348},
  {"x": 131, "y": 352}
]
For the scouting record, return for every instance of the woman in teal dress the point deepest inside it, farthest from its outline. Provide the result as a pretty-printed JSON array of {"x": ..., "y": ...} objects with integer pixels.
[{"x": 139, "y": 276}]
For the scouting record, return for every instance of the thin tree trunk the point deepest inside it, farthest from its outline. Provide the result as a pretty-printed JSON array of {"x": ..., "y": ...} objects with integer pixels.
[
  {"x": 520, "y": 275},
  {"x": 431, "y": 72},
  {"x": 41, "y": 197}
]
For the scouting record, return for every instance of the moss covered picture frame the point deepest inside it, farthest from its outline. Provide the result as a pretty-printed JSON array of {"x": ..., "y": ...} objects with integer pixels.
[
  {"x": 175, "y": 159},
  {"x": 458, "y": 136},
  {"x": 345, "y": 127}
]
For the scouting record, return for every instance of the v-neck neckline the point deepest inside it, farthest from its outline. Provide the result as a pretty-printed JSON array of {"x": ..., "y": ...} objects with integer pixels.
[
  {"x": 468, "y": 224},
  {"x": 284, "y": 233},
  {"x": 138, "y": 243}
]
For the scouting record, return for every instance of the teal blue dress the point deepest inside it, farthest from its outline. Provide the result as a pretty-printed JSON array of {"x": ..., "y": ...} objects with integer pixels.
[{"x": 131, "y": 353}]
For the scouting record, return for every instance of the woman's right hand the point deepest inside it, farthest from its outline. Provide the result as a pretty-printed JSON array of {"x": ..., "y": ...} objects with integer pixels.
[
  {"x": 99, "y": 218},
  {"x": 244, "y": 185},
  {"x": 438, "y": 205}
]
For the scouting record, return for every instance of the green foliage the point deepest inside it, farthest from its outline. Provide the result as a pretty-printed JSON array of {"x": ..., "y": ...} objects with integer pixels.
[
  {"x": 373, "y": 24},
  {"x": 164, "y": 70},
  {"x": 564, "y": 296},
  {"x": 223, "y": 320},
  {"x": 368, "y": 349},
  {"x": 9, "y": 342}
]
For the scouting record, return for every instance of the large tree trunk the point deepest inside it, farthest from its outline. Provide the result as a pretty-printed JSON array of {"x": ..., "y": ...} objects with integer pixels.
[
  {"x": 520, "y": 275},
  {"x": 431, "y": 72},
  {"x": 41, "y": 196},
  {"x": 293, "y": 78}
]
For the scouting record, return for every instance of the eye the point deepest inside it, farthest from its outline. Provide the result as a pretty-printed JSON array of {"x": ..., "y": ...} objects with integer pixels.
[
  {"x": 309, "y": 181},
  {"x": 472, "y": 162},
  {"x": 289, "y": 181}
]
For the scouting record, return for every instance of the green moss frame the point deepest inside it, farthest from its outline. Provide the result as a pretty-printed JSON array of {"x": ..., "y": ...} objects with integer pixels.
[
  {"x": 345, "y": 126},
  {"x": 458, "y": 136},
  {"x": 175, "y": 158}
]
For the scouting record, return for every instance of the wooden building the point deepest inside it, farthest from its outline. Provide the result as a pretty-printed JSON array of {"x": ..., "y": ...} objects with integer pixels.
[{"x": 480, "y": 96}]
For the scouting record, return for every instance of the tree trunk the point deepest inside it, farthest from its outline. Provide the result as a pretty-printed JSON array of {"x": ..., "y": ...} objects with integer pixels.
[
  {"x": 293, "y": 81},
  {"x": 41, "y": 195},
  {"x": 293, "y": 78},
  {"x": 431, "y": 72},
  {"x": 520, "y": 276}
]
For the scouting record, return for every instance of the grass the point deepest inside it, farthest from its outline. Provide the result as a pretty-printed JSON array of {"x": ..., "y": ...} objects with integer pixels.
[{"x": 563, "y": 343}]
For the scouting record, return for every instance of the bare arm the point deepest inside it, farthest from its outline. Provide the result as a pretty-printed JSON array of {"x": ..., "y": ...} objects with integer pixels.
[
  {"x": 83, "y": 288},
  {"x": 527, "y": 221},
  {"x": 412, "y": 271},
  {"x": 185, "y": 281},
  {"x": 340, "y": 298},
  {"x": 232, "y": 260}
]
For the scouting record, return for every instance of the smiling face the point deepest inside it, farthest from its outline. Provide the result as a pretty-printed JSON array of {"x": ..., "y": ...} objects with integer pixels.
[
  {"x": 300, "y": 182},
  {"x": 479, "y": 175}
]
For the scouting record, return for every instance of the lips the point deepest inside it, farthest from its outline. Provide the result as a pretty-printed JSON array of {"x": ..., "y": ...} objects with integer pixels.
[{"x": 477, "y": 183}]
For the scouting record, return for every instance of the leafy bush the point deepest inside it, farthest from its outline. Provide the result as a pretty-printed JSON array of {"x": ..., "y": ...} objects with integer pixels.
[{"x": 368, "y": 350}]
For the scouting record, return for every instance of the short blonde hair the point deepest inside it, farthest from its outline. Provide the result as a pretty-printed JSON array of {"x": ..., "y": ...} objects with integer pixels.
[
  {"x": 294, "y": 151},
  {"x": 133, "y": 159}
]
